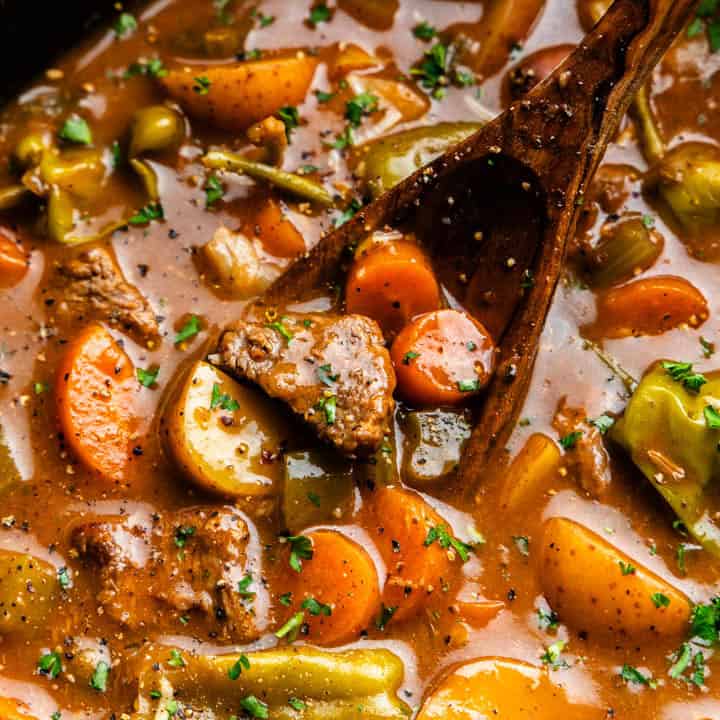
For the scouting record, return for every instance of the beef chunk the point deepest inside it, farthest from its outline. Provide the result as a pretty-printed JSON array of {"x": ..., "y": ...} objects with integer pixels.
[
  {"x": 91, "y": 285},
  {"x": 333, "y": 370},
  {"x": 190, "y": 560}
]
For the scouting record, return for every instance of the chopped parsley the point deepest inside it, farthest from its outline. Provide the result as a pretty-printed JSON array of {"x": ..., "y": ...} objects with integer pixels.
[
  {"x": 683, "y": 373},
  {"x": 708, "y": 348},
  {"x": 235, "y": 671},
  {"x": 705, "y": 622},
  {"x": 602, "y": 423},
  {"x": 569, "y": 441},
  {"x": 50, "y": 664},
  {"x": 626, "y": 568},
  {"x": 548, "y": 620},
  {"x": 290, "y": 117},
  {"x": 343, "y": 141},
  {"x": 202, "y": 85},
  {"x": 76, "y": 130},
  {"x": 468, "y": 386},
  {"x": 410, "y": 356},
  {"x": 681, "y": 662},
  {"x": 552, "y": 654},
  {"x": 147, "y": 68},
  {"x": 152, "y": 211},
  {"x": 314, "y": 498},
  {"x": 385, "y": 616},
  {"x": 660, "y": 600},
  {"x": 263, "y": 20},
  {"x": 329, "y": 405},
  {"x": 440, "y": 534},
  {"x": 359, "y": 107},
  {"x": 324, "y": 97},
  {"x": 214, "y": 191},
  {"x": 648, "y": 222},
  {"x": 325, "y": 376},
  {"x": 633, "y": 675},
  {"x": 316, "y": 608},
  {"x": 280, "y": 328},
  {"x": 219, "y": 399},
  {"x": 286, "y": 599},
  {"x": 254, "y": 708},
  {"x": 99, "y": 678},
  {"x": 706, "y": 17},
  {"x": 64, "y": 578},
  {"x": 712, "y": 417},
  {"x": 424, "y": 31},
  {"x": 300, "y": 549},
  {"x": 182, "y": 534},
  {"x": 176, "y": 660},
  {"x": 147, "y": 378},
  {"x": 319, "y": 14},
  {"x": 296, "y": 704},
  {"x": 292, "y": 627},
  {"x": 244, "y": 586},
  {"x": 125, "y": 25},
  {"x": 432, "y": 70},
  {"x": 189, "y": 330},
  {"x": 349, "y": 213}
]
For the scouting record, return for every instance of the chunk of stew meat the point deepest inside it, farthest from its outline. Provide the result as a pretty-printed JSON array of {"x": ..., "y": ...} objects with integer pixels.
[{"x": 332, "y": 370}]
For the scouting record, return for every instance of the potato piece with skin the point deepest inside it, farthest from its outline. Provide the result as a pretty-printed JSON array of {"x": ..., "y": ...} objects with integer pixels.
[
  {"x": 587, "y": 583},
  {"x": 233, "y": 97},
  {"x": 222, "y": 433},
  {"x": 500, "y": 688},
  {"x": 29, "y": 591}
]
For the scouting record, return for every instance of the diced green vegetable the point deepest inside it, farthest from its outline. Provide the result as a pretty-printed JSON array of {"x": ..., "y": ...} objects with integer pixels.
[
  {"x": 665, "y": 429},
  {"x": 388, "y": 161},
  {"x": 325, "y": 684},
  {"x": 318, "y": 488},
  {"x": 289, "y": 182},
  {"x": 434, "y": 443}
]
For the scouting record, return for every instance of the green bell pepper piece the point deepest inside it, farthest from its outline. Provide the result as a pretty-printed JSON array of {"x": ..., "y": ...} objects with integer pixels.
[{"x": 665, "y": 430}]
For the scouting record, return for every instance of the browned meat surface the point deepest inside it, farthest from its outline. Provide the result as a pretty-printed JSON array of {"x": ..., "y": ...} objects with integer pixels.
[
  {"x": 91, "y": 286},
  {"x": 333, "y": 370},
  {"x": 586, "y": 456},
  {"x": 186, "y": 561}
]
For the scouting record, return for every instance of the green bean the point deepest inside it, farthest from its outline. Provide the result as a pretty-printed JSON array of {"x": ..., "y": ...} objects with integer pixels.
[
  {"x": 289, "y": 182},
  {"x": 12, "y": 195},
  {"x": 331, "y": 685}
]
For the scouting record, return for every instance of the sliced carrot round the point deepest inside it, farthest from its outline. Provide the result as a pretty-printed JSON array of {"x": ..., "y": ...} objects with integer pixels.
[
  {"x": 391, "y": 283},
  {"x": 338, "y": 589},
  {"x": 442, "y": 358},
  {"x": 650, "y": 306},
  {"x": 95, "y": 393},
  {"x": 417, "y": 568},
  {"x": 13, "y": 261}
]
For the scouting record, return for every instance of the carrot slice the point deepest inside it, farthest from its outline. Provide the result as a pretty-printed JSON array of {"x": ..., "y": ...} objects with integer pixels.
[
  {"x": 11, "y": 710},
  {"x": 650, "y": 306},
  {"x": 391, "y": 283},
  {"x": 233, "y": 97},
  {"x": 442, "y": 358},
  {"x": 278, "y": 234},
  {"x": 95, "y": 393},
  {"x": 338, "y": 589},
  {"x": 13, "y": 262},
  {"x": 416, "y": 568}
]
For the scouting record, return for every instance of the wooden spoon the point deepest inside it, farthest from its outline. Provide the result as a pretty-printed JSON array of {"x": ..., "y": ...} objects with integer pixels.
[{"x": 496, "y": 212}]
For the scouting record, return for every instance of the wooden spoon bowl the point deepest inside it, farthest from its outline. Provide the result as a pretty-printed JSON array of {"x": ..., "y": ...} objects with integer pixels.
[{"x": 496, "y": 212}]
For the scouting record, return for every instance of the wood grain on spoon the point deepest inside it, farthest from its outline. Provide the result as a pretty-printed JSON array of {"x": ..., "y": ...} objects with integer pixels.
[{"x": 498, "y": 209}]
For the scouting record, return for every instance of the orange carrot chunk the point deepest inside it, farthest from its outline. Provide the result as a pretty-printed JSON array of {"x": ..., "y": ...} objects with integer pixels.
[
  {"x": 391, "y": 283},
  {"x": 418, "y": 565},
  {"x": 13, "y": 262},
  {"x": 650, "y": 306},
  {"x": 337, "y": 589},
  {"x": 95, "y": 393},
  {"x": 442, "y": 358},
  {"x": 277, "y": 233}
]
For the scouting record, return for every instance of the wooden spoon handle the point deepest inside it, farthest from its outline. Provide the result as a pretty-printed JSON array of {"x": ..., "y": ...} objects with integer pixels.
[{"x": 561, "y": 131}]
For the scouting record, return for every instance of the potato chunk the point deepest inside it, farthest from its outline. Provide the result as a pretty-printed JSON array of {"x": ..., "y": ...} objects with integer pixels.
[
  {"x": 225, "y": 436},
  {"x": 28, "y": 592}
]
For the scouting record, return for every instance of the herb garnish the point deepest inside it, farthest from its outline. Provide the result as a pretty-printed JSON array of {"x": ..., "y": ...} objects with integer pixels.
[
  {"x": 440, "y": 534},
  {"x": 683, "y": 373},
  {"x": 76, "y": 130}
]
